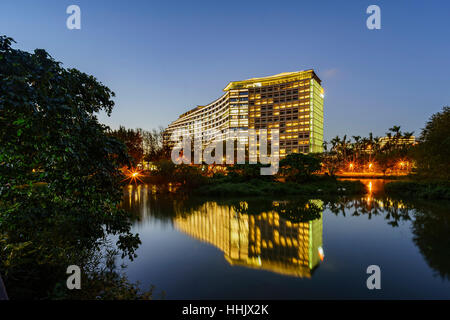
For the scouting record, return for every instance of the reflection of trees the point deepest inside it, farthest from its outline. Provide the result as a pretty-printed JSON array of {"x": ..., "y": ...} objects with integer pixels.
[
  {"x": 144, "y": 202},
  {"x": 394, "y": 210},
  {"x": 430, "y": 221},
  {"x": 430, "y": 224},
  {"x": 431, "y": 229},
  {"x": 294, "y": 210}
]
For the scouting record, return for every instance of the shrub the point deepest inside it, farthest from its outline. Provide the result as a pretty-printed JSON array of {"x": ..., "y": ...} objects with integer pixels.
[{"x": 299, "y": 167}]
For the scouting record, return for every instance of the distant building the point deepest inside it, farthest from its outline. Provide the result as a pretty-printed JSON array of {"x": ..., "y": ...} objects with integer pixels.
[
  {"x": 291, "y": 102},
  {"x": 400, "y": 141}
]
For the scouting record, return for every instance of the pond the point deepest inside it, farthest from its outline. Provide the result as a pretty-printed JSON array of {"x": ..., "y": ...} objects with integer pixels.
[{"x": 289, "y": 248}]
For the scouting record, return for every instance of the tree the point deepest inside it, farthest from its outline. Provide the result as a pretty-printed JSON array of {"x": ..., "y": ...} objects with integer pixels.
[
  {"x": 154, "y": 149},
  {"x": 59, "y": 177},
  {"x": 433, "y": 152},
  {"x": 166, "y": 169},
  {"x": 330, "y": 163},
  {"x": 133, "y": 141},
  {"x": 356, "y": 148},
  {"x": 299, "y": 167},
  {"x": 396, "y": 131},
  {"x": 365, "y": 150},
  {"x": 343, "y": 147},
  {"x": 247, "y": 171}
]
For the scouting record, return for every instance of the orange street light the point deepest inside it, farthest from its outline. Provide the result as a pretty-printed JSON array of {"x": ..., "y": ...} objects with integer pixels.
[{"x": 133, "y": 175}]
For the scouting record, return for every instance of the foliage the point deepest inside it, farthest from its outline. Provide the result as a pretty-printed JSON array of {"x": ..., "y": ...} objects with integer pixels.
[
  {"x": 316, "y": 187},
  {"x": 133, "y": 142},
  {"x": 152, "y": 142},
  {"x": 384, "y": 154},
  {"x": 189, "y": 176},
  {"x": 244, "y": 172},
  {"x": 299, "y": 211},
  {"x": 102, "y": 280},
  {"x": 186, "y": 175},
  {"x": 299, "y": 167},
  {"x": 430, "y": 223},
  {"x": 143, "y": 145},
  {"x": 165, "y": 169},
  {"x": 433, "y": 153},
  {"x": 419, "y": 189},
  {"x": 329, "y": 163},
  {"x": 389, "y": 159},
  {"x": 294, "y": 210},
  {"x": 59, "y": 177},
  {"x": 431, "y": 229}
]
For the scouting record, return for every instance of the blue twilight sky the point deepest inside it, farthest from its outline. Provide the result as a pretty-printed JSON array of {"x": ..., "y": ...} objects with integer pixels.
[{"x": 163, "y": 57}]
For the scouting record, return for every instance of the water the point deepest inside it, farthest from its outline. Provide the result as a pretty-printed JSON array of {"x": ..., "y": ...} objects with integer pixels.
[{"x": 197, "y": 248}]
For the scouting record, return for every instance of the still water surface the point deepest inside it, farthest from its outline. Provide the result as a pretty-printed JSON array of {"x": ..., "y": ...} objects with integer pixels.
[{"x": 200, "y": 248}]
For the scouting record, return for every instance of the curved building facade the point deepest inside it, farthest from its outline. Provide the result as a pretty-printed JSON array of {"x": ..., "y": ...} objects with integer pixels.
[{"x": 290, "y": 102}]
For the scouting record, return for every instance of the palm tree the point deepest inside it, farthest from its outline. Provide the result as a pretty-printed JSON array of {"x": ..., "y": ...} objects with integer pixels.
[
  {"x": 397, "y": 135},
  {"x": 366, "y": 147},
  {"x": 376, "y": 147},
  {"x": 396, "y": 130},
  {"x": 406, "y": 136},
  {"x": 388, "y": 144},
  {"x": 357, "y": 147},
  {"x": 335, "y": 142},
  {"x": 343, "y": 147}
]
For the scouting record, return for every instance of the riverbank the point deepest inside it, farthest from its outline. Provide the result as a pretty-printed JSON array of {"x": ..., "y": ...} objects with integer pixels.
[
  {"x": 259, "y": 187},
  {"x": 369, "y": 175},
  {"x": 315, "y": 185},
  {"x": 422, "y": 189}
]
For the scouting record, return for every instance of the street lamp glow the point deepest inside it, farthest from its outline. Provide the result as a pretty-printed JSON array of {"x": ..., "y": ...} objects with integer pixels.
[{"x": 133, "y": 175}]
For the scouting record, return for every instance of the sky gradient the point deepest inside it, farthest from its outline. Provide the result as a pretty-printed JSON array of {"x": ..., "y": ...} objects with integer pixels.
[{"x": 162, "y": 58}]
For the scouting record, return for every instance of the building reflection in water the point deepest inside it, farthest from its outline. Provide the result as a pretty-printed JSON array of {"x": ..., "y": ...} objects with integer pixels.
[
  {"x": 260, "y": 238},
  {"x": 264, "y": 241}
]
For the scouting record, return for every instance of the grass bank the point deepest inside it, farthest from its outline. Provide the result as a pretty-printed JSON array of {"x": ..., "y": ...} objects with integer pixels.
[
  {"x": 439, "y": 190},
  {"x": 259, "y": 187}
]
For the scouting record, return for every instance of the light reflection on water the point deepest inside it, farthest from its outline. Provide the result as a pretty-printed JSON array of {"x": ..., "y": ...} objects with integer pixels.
[
  {"x": 263, "y": 241},
  {"x": 203, "y": 248}
]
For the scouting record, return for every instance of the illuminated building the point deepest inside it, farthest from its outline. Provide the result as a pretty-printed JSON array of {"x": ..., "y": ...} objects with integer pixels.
[
  {"x": 265, "y": 241},
  {"x": 398, "y": 141},
  {"x": 291, "y": 102}
]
